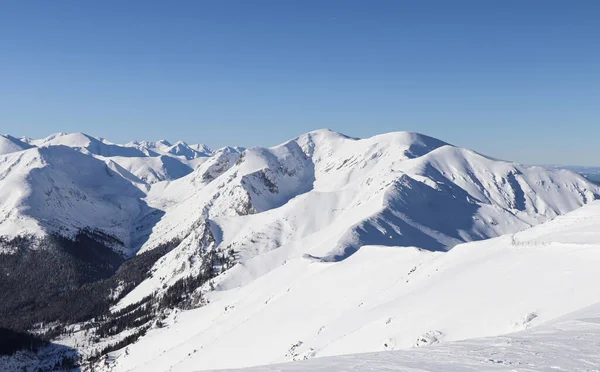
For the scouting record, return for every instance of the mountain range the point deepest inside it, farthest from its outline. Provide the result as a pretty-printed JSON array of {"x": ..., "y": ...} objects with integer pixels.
[{"x": 183, "y": 256}]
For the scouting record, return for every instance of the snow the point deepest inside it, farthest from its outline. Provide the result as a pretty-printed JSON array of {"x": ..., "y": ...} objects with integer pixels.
[
  {"x": 179, "y": 149},
  {"x": 325, "y": 195},
  {"x": 151, "y": 162},
  {"x": 591, "y": 173},
  {"x": 375, "y": 191},
  {"x": 391, "y": 298},
  {"x": 345, "y": 245},
  {"x": 10, "y": 144},
  {"x": 87, "y": 144},
  {"x": 567, "y": 344},
  {"x": 151, "y": 170},
  {"x": 70, "y": 181},
  {"x": 59, "y": 190}
]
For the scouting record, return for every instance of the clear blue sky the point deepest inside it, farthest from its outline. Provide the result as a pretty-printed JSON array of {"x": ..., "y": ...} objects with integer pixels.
[{"x": 518, "y": 80}]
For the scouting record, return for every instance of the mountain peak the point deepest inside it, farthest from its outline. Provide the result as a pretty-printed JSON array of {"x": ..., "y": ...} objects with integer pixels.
[{"x": 9, "y": 144}]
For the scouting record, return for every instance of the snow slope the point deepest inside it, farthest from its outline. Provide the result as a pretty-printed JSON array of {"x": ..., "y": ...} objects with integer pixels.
[
  {"x": 591, "y": 173},
  {"x": 567, "y": 344},
  {"x": 389, "y": 298},
  {"x": 10, "y": 144},
  {"x": 154, "y": 169}
]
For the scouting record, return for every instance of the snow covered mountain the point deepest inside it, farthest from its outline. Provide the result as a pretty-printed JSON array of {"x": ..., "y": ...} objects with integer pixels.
[
  {"x": 321, "y": 242},
  {"x": 71, "y": 181},
  {"x": 163, "y": 147},
  {"x": 10, "y": 144},
  {"x": 591, "y": 173},
  {"x": 390, "y": 298},
  {"x": 58, "y": 190},
  {"x": 324, "y": 195},
  {"x": 150, "y": 162}
]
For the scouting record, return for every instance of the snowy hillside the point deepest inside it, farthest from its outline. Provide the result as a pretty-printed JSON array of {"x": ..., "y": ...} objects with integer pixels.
[
  {"x": 390, "y": 298},
  {"x": 154, "y": 169},
  {"x": 568, "y": 344},
  {"x": 59, "y": 190},
  {"x": 10, "y": 144}
]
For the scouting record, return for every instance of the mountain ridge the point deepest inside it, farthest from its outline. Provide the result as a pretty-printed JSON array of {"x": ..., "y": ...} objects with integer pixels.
[{"x": 180, "y": 229}]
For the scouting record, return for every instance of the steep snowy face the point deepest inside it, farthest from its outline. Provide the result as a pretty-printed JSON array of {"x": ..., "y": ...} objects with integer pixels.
[
  {"x": 219, "y": 163},
  {"x": 10, "y": 144},
  {"x": 453, "y": 195},
  {"x": 62, "y": 191}
]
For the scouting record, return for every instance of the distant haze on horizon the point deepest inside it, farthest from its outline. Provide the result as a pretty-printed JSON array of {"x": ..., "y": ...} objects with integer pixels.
[{"x": 513, "y": 80}]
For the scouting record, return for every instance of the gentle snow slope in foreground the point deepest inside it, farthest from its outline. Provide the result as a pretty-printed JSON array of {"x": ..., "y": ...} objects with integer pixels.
[
  {"x": 569, "y": 344},
  {"x": 386, "y": 298}
]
